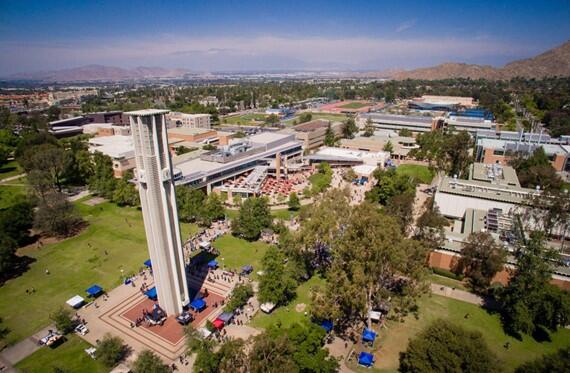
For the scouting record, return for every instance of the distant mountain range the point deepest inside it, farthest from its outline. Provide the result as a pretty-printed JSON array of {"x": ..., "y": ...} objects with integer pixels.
[
  {"x": 101, "y": 73},
  {"x": 554, "y": 62}
]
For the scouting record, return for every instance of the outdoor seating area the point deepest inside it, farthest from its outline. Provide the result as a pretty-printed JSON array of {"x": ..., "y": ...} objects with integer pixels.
[
  {"x": 94, "y": 291},
  {"x": 273, "y": 187}
]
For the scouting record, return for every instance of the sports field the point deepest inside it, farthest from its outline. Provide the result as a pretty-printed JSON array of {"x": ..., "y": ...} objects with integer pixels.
[{"x": 354, "y": 105}]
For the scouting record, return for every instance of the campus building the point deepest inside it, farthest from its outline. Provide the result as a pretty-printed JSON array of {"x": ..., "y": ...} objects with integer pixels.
[
  {"x": 119, "y": 148},
  {"x": 154, "y": 175},
  {"x": 366, "y": 161},
  {"x": 414, "y": 123},
  {"x": 401, "y": 145},
  {"x": 491, "y": 147},
  {"x": 313, "y": 133},
  {"x": 441, "y": 103},
  {"x": 239, "y": 157},
  {"x": 176, "y": 119}
]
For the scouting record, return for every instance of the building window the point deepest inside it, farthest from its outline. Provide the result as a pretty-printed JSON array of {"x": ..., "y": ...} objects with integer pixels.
[{"x": 498, "y": 152}]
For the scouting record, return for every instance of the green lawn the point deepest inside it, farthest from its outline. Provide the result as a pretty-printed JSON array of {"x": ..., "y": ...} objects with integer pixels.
[
  {"x": 69, "y": 356},
  {"x": 394, "y": 338},
  {"x": 354, "y": 105},
  {"x": 247, "y": 119},
  {"x": 113, "y": 240},
  {"x": 284, "y": 214},
  {"x": 11, "y": 168},
  {"x": 10, "y": 194},
  {"x": 326, "y": 116},
  {"x": 287, "y": 315},
  {"x": 421, "y": 173},
  {"x": 235, "y": 253}
]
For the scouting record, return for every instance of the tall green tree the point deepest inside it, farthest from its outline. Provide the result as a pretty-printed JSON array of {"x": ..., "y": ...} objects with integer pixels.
[
  {"x": 189, "y": 202},
  {"x": 110, "y": 350},
  {"x": 254, "y": 216},
  {"x": 276, "y": 285},
  {"x": 62, "y": 320},
  {"x": 349, "y": 128},
  {"x": 388, "y": 147},
  {"x": 294, "y": 204},
  {"x": 213, "y": 210},
  {"x": 529, "y": 301},
  {"x": 389, "y": 183},
  {"x": 446, "y": 347},
  {"x": 305, "y": 117},
  {"x": 102, "y": 182},
  {"x": 372, "y": 263},
  {"x": 330, "y": 137},
  {"x": 149, "y": 362},
  {"x": 481, "y": 259},
  {"x": 536, "y": 170},
  {"x": 56, "y": 216},
  {"x": 125, "y": 193},
  {"x": 368, "y": 128}
]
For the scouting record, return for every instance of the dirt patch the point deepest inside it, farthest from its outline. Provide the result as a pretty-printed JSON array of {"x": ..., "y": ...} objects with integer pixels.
[
  {"x": 95, "y": 201},
  {"x": 300, "y": 307}
]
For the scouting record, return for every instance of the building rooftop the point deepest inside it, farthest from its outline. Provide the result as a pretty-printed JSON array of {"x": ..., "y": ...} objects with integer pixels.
[
  {"x": 418, "y": 119},
  {"x": 484, "y": 190},
  {"x": 185, "y": 131},
  {"x": 494, "y": 174},
  {"x": 114, "y": 146},
  {"x": 147, "y": 112},
  {"x": 511, "y": 145},
  {"x": 312, "y": 125}
]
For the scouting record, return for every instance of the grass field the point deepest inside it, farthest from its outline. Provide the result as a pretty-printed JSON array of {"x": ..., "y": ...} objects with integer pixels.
[
  {"x": 10, "y": 194},
  {"x": 394, "y": 338},
  {"x": 113, "y": 240},
  {"x": 247, "y": 119},
  {"x": 287, "y": 315},
  {"x": 69, "y": 356},
  {"x": 11, "y": 168},
  {"x": 354, "y": 105},
  {"x": 446, "y": 281},
  {"x": 325, "y": 116},
  {"x": 235, "y": 253},
  {"x": 419, "y": 172}
]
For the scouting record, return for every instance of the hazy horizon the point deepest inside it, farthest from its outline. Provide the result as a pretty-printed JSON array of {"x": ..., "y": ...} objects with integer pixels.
[{"x": 257, "y": 36}]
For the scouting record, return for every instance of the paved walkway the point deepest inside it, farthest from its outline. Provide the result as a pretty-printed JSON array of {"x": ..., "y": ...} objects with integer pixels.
[
  {"x": 21, "y": 350},
  {"x": 15, "y": 177},
  {"x": 461, "y": 295}
]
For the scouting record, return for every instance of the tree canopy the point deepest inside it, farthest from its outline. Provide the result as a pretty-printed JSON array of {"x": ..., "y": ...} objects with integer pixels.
[
  {"x": 446, "y": 347},
  {"x": 254, "y": 216}
]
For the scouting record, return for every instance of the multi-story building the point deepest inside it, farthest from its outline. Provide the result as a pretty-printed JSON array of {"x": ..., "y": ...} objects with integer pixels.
[
  {"x": 414, "y": 123},
  {"x": 209, "y": 100},
  {"x": 176, "y": 119},
  {"x": 312, "y": 133}
]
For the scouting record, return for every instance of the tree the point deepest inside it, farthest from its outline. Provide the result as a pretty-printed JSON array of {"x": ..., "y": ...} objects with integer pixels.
[
  {"x": 322, "y": 179},
  {"x": 4, "y": 154},
  {"x": 110, "y": 350},
  {"x": 53, "y": 113},
  {"x": 556, "y": 362},
  {"x": 46, "y": 164},
  {"x": 549, "y": 212},
  {"x": 102, "y": 182},
  {"x": 349, "y": 128},
  {"x": 536, "y": 170},
  {"x": 330, "y": 137},
  {"x": 368, "y": 128},
  {"x": 272, "y": 354},
  {"x": 372, "y": 263},
  {"x": 213, "y": 210},
  {"x": 253, "y": 217},
  {"x": 388, "y": 147},
  {"x": 481, "y": 259},
  {"x": 62, "y": 320},
  {"x": 8, "y": 257},
  {"x": 149, "y": 362},
  {"x": 429, "y": 226},
  {"x": 529, "y": 301},
  {"x": 305, "y": 117},
  {"x": 126, "y": 193},
  {"x": 457, "y": 148},
  {"x": 404, "y": 132},
  {"x": 446, "y": 347},
  {"x": 57, "y": 216},
  {"x": 401, "y": 207},
  {"x": 240, "y": 296},
  {"x": 272, "y": 119},
  {"x": 389, "y": 184},
  {"x": 276, "y": 285},
  {"x": 294, "y": 203},
  {"x": 16, "y": 221},
  {"x": 189, "y": 202}
]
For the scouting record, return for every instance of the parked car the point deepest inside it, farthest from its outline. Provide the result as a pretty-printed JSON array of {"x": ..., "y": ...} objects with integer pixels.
[{"x": 81, "y": 329}]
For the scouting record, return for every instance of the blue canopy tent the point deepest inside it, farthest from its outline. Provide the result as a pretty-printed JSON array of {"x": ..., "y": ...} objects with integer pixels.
[
  {"x": 247, "y": 269},
  {"x": 327, "y": 325},
  {"x": 368, "y": 335},
  {"x": 94, "y": 291},
  {"x": 148, "y": 263},
  {"x": 212, "y": 264},
  {"x": 226, "y": 317},
  {"x": 198, "y": 305},
  {"x": 366, "y": 359},
  {"x": 151, "y": 293}
]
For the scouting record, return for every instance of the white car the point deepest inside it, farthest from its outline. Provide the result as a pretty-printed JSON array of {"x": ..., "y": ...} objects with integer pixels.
[
  {"x": 91, "y": 352},
  {"x": 81, "y": 329}
]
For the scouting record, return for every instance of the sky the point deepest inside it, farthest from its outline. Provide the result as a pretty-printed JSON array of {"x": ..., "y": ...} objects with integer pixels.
[{"x": 244, "y": 35}]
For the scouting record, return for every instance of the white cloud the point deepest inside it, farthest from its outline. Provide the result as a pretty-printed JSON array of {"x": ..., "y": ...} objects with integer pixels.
[{"x": 406, "y": 25}]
